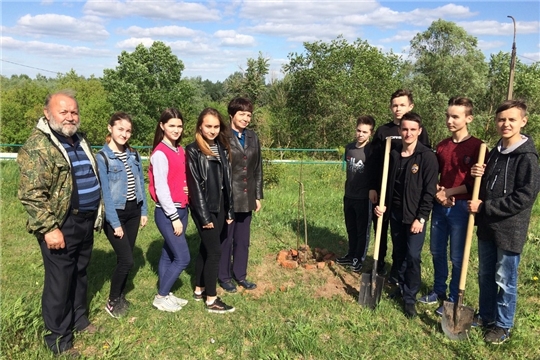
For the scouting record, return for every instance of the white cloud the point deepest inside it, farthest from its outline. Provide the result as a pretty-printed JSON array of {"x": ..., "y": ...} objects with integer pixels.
[
  {"x": 384, "y": 17},
  {"x": 486, "y": 45},
  {"x": 60, "y": 26},
  {"x": 171, "y": 10},
  {"x": 303, "y": 12},
  {"x": 405, "y": 35},
  {"x": 187, "y": 48},
  {"x": 492, "y": 27},
  {"x": 301, "y": 33},
  {"x": 164, "y": 31},
  {"x": 534, "y": 56},
  {"x": 44, "y": 49},
  {"x": 232, "y": 38}
]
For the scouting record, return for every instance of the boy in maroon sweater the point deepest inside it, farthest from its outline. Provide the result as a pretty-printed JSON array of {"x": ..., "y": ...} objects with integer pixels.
[{"x": 455, "y": 155}]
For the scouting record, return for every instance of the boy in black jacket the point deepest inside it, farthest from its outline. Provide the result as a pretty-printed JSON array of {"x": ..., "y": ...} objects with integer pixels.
[
  {"x": 507, "y": 194},
  {"x": 356, "y": 204},
  {"x": 401, "y": 102},
  {"x": 412, "y": 184}
]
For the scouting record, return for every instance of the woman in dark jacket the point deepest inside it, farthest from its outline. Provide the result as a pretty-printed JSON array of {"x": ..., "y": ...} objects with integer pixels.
[
  {"x": 211, "y": 204},
  {"x": 247, "y": 185}
]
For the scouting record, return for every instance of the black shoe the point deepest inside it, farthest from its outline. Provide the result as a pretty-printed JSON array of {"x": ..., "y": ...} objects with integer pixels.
[
  {"x": 410, "y": 311},
  {"x": 115, "y": 308},
  {"x": 393, "y": 280},
  {"x": 497, "y": 335},
  {"x": 228, "y": 286},
  {"x": 346, "y": 260},
  {"x": 219, "y": 307},
  {"x": 125, "y": 303},
  {"x": 356, "y": 265},
  {"x": 246, "y": 284},
  {"x": 397, "y": 294},
  {"x": 381, "y": 269}
]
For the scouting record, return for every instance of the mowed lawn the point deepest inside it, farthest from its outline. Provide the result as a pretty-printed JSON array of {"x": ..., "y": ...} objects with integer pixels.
[{"x": 293, "y": 314}]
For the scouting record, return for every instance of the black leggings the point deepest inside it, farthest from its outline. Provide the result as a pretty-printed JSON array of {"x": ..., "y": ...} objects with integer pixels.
[
  {"x": 207, "y": 264},
  {"x": 130, "y": 218}
]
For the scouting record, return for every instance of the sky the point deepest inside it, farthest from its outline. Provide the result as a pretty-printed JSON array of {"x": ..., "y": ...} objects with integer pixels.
[{"x": 215, "y": 38}]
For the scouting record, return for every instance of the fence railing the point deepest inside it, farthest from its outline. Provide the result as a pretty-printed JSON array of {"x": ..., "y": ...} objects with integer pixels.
[{"x": 274, "y": 155}]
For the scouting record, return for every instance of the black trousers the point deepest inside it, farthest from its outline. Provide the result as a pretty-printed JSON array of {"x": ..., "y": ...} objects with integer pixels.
[
  {"x": 64, "y": 304},
  {"x": 130, "y": 218},
  {"x": 207, "y": 263},
  {"x": 357, "y": 217}
]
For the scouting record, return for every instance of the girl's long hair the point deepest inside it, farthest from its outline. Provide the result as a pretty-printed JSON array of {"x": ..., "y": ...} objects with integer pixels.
[
  {"x": 222, "y": 138},
  {"x": 166, "y": 115},
  {"x": 117, "y": 116}
]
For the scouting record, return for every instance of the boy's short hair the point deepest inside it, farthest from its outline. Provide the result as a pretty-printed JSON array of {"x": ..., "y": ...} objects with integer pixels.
[
  {"x": 412, "y": 116},
  {"x": 509, "y": 104},
  {"x": 366, "y": 120},
  {"x": 400, "y": 93},
  {"x": 462, "y": 101},
  {"x": 239, "y": 104}
]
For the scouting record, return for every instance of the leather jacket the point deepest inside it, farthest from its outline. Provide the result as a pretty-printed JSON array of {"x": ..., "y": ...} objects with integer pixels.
[
  {"x": 247, "y": 173},
  {"x": 209, "y": 183}
]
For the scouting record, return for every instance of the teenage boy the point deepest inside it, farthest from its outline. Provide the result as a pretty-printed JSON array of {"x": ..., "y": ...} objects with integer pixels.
[
  {"x": 455, "y": 155},
  {"x": 509, "y": 188},
  {"x": 412, "y": 183},
  {"x": 401, "y": 102},
  {"x": 356, "y": 204}
]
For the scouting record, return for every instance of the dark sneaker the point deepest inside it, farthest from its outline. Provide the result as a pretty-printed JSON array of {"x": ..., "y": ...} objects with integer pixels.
[
  {"x": 410, "y": 311},
  {"x": 345, "y": 260},
  {"x": 392, "y": 280},
  {"x": 397, "y": 294},
  {"x": 430, "y": 299},
  {"x": 115, "y": 308},
  {"x": 228, "y": 286},
  {"x": 199, "y": 297},
  {"x": 124, "y": 302},
  {"x": 219, "y": 307},
  {"x": 439, "y": 310},
  {"x": 479, "y": 322},
  {"x": 381, "y": 270},
  {"x": 246, "y": 284},
  {"x": 356, "y": 265},
  {"x": 497, "y": 335}
]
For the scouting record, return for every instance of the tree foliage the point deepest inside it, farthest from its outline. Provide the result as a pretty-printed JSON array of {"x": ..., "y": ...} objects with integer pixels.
[
  {"x": 332, "y": 84},
  {"x": 250, "y": 83},
  {"x": 144, "y": 83}
]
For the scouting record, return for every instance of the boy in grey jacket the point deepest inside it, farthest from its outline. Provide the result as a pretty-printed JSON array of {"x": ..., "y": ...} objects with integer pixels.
[{"x": 507, "y": 194}]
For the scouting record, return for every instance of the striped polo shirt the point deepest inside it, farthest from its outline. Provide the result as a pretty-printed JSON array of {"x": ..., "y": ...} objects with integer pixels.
[{"x": 86, "y": 191}]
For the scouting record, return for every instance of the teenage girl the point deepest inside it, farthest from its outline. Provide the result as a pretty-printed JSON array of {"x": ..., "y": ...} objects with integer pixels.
[
  {"x": 122, "y": 184},
  {"x": 168, "y": 188},
  {"x": 209, "y": 183}
]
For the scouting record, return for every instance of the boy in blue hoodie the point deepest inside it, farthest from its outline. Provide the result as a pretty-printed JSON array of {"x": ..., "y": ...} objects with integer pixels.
[{"x": 503, "y": 213}]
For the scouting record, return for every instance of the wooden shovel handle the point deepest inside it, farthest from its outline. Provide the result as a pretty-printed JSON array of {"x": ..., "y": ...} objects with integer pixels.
[
  {"x": 470, "y": 224},
  {"x": 382, "y": 197}
]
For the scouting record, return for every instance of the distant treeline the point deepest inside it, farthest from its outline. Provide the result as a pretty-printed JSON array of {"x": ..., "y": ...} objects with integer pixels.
[{"x": 314, "y": 105}]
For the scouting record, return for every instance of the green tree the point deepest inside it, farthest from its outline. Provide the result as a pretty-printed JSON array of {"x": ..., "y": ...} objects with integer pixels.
[
  {"x": 144, "y": 83},
  {"x": 446, "y": 62},
  {"x": 332, "y": 84},
  {"x": 250, "y": 83}
]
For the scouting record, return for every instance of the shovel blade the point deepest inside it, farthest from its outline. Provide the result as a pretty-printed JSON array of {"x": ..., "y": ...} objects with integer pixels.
[
  {"x": 370, "y": 291},
  {"x": 456, "y": 320}
]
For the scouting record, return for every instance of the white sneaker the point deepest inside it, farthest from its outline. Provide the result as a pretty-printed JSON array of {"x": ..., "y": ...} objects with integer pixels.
[
  {"x": 181, "y": 302},
  {"x": 166, "y": 303}
]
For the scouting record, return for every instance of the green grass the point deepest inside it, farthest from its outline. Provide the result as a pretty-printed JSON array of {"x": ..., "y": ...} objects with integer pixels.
[{"x": 294, "y": 314}]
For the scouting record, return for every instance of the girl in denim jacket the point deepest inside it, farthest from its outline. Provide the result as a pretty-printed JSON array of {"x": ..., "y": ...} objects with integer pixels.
[{"x": 122, "y": 182}]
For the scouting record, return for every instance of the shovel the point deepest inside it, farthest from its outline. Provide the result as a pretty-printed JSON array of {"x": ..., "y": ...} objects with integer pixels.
[
  {"x": 371, "y": 285},
  {"x": 457, "y": 318}
]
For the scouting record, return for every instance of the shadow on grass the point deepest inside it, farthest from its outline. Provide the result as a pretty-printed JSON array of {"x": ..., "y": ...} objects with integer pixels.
[
  {"x": 102, "y": 266},
  {"x": 349, "y": 290},
  {"x": 318, "y": 237}
]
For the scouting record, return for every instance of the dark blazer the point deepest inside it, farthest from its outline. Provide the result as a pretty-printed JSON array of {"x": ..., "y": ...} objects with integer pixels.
[
  {"x": 209, "y": 183},
  {"x": 247, "y": 173}
]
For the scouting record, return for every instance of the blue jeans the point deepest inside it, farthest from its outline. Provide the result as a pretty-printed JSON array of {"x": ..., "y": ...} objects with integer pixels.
[
  {"x": 175, "y": 253},
  {"x": 448, "y": 223},
  {"x": 497, "y": 278}
]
